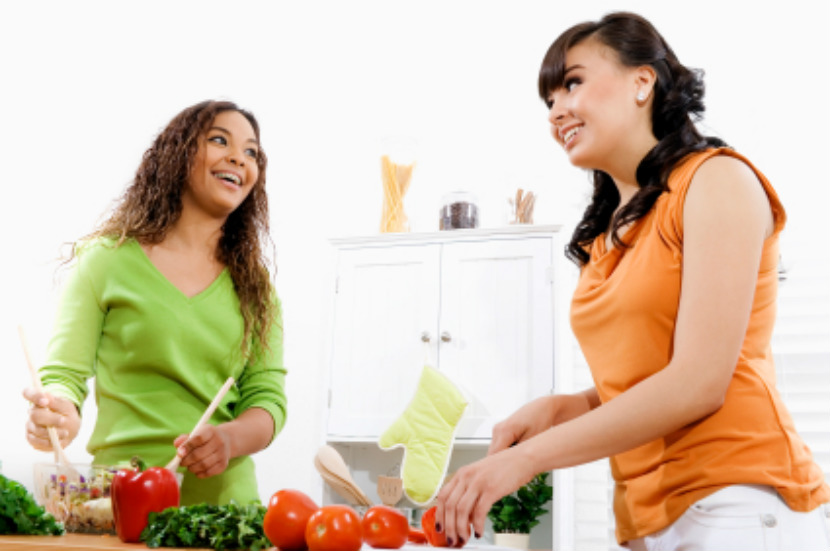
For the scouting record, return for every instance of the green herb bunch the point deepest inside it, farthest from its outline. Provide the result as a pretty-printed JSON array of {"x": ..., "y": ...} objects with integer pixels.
[
  {"x": 231, "y": 526},
  {"x": 19, "y": 514},
  {"x": 518, "y": 513}
]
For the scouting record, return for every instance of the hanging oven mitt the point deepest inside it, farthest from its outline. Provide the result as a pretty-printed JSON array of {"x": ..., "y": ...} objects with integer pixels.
[{"x": 425, "y": 430}]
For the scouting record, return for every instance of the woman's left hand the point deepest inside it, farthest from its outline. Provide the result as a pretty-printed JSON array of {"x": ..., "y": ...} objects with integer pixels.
[
  {"x": 207, "y": 451},
  {"x": 467, "y": 497}
]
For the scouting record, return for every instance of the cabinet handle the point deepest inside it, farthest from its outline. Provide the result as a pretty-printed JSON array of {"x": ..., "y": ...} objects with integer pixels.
[
  {"x": 425, "y": 337},
  {"x": 445, "y": 336}
]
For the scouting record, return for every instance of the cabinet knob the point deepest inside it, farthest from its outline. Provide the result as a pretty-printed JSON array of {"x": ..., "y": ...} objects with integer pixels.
[
  {"x": 445, "y": 336},
  {"x": 425, "y": 337}
]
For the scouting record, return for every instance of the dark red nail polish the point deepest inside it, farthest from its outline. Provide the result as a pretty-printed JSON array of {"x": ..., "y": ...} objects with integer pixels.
[
  {"x": 437, "y": 527},
  {"x": 449, "y": 542},
  {"x": 478, "y": 536}
]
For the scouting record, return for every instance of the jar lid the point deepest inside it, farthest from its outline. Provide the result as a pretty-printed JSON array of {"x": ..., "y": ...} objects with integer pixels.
[{"x": 459, "y": 196}]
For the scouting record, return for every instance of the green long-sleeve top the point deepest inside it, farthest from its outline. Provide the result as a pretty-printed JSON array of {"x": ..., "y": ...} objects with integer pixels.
[{"x": 158, "y": 358}]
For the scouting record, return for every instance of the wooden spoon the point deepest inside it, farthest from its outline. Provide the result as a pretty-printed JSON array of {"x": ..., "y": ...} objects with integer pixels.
[
  {"x": 174, "y": 463},
  {"x": 64, "y": 465},
  {"x": 338, "y": 485},
  {"x": 332, "y": 462},
  {"x": 348, "y": 490}
]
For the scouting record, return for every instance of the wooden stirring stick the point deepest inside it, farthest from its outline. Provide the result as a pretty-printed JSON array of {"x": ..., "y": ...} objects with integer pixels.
[
  {"x": 174, "y": 463},
  {"x": 60, "y": 455}
]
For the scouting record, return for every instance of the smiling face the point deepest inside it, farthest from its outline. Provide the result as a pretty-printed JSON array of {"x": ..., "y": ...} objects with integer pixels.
[
  {"x": 225, "y": 168},
  {"x": 596, "y": 115}
]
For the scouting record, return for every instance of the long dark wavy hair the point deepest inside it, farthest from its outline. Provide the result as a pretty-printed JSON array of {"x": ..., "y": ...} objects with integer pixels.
[
  {"x": 677, "y": 105},
  {"x": 152, "y": 204}
]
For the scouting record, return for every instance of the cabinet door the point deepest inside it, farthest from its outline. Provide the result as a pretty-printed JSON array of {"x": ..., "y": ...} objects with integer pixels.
[
  {"x": 497, "y": 326},
  {"x": 387, "y": 297}
]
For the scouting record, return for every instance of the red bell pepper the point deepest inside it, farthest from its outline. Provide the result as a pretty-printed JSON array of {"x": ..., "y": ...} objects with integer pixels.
[{"x": 137, "y": 493}]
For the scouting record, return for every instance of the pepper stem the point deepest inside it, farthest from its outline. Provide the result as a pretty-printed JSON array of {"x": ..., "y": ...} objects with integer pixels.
[{"x": 138, "y": 463}]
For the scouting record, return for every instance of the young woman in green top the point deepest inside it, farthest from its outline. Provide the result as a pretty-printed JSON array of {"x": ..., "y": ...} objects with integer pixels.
[{"x": 168, "y": 298}]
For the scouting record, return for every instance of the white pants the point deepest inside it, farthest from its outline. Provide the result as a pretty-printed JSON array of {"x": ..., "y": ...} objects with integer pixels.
[{"x": 742, "y": 518}]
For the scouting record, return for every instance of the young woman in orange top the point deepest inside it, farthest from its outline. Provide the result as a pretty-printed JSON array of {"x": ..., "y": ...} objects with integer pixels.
[{"x": 674, "y": 311}]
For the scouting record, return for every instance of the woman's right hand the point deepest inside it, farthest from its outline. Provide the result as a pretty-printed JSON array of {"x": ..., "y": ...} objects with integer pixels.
[
  {"x": 50, "y": 411},
  {"x": 539, "y": 415},
  {"x": 528, "y": 421}
]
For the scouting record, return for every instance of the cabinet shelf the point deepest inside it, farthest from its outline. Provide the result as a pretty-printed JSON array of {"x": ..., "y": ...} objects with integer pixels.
[
  {"x": 478, "y": 234},
  {"x": 361, "y": 441}
]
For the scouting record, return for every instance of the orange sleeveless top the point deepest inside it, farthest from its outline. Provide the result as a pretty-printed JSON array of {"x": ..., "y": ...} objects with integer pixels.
[{"x": 623, "y": 314}]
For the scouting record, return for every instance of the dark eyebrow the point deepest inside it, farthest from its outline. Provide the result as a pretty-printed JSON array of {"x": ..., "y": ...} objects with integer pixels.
[
  {"x": 226, "y": 131},
  {"x": 572, "y": 68}
]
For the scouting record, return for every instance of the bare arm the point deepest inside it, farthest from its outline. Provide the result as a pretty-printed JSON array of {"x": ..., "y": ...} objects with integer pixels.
[
  {"x": 721, "y": 255},
  {"x": 539, "y": 415},
  {"x": 577, "y": 404},
  {"x": 209, "y": 449}
]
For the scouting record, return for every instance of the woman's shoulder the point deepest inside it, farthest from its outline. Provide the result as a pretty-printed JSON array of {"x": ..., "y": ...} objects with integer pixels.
[
  {"x": 103, "y": 251},
  {"x": 714, "y": 164},
  {"x": 685, "y": 169},
  {"x": 717, "y": 174}
]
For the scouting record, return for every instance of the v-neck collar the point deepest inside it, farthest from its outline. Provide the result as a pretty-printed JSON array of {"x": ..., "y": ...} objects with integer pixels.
[
  {"x": 172, "y": 287},
  {"x": 608, "y": 258}
]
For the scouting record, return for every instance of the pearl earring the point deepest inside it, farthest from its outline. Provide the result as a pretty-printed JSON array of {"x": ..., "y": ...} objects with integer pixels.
[{"x": 641, "y": 96}]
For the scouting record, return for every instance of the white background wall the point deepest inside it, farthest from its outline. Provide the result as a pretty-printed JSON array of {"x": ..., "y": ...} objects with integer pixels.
[{"x": 87, "y": 85}]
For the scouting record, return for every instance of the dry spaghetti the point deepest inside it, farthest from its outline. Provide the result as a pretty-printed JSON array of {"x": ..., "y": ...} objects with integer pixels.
[{"x": 396, "y": 180}]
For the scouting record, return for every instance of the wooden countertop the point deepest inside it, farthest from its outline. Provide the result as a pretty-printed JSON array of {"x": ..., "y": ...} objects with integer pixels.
[
  {"x": 83, "y": 542},
  {"x": 69, "y": 542}
]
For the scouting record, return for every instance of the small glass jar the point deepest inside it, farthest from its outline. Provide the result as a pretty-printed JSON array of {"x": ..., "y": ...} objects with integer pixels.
[{"x": 459, "y": 210}]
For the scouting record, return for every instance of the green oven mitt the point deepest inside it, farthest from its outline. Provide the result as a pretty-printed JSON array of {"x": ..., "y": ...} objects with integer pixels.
[{"x": 425, "y": 430}]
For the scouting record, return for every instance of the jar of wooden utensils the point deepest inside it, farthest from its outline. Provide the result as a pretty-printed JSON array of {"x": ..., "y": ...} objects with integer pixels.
[{"x": 521, "y": 207}]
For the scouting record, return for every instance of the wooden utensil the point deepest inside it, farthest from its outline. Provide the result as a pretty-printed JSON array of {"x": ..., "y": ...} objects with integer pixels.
[
  {"x": 61, "y": 459},
  {"x": 332, "y": 463},
  {"x": 347, "y": 489},
  {"x": 527, "y": 208},
  {"x": 174, "y": 463},
  {"x": 523, "y": 207},
  {"x": 343, "y": 489},
  {"x": 390, "y": 490}
]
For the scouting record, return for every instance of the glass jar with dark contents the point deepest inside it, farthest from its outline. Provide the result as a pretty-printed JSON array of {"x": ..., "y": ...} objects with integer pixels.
[{"x": 459, "y": 210}]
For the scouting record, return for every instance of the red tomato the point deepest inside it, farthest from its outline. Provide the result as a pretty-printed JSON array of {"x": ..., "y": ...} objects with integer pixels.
[
  {"x": 385, "y": 527},
  {"x": 435, "y": 539},
  {"x": 334, "y": 528},
  {"x": 417, "y": 536},
  {"x": 286, "y": 519}
]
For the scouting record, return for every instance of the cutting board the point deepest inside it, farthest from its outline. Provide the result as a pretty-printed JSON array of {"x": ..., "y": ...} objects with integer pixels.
[{"x": 68, "y": 542}]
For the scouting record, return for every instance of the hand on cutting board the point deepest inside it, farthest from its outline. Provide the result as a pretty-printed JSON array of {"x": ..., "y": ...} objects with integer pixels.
[
  {"x": 467, "y": 497},
  {"x": 50, "y": 411},
  {"x": 206, "y": 452}
]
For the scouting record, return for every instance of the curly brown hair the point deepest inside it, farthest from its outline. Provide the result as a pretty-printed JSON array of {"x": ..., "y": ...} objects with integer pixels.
[{"x": 152, "y": 204}]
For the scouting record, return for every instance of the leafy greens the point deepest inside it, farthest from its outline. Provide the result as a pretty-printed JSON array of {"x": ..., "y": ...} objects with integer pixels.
[
  {"x": 231, "y": 526},
  {"x": 19, "y": 514}
]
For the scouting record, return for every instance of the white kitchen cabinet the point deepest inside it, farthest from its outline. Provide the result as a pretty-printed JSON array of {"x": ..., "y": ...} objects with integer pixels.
[
  {"x": 479, "y": 305},
  {"x": 385, "y": 299}
]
